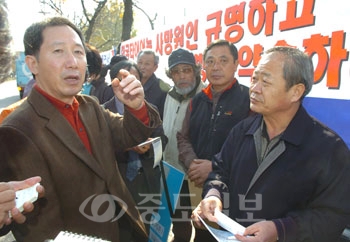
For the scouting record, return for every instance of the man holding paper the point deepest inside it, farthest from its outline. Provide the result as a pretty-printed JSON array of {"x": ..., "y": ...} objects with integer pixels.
[{"x": 281, "y": 173}]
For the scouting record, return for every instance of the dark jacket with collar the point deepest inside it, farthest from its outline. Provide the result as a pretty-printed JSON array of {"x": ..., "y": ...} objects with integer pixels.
[
  {"x": 208, "y": 128},
  {"x": 303, "y": 186},
  {"x": 37, "y": 140},
  {"x": 101, "y": 90},
  {"x": 155, "y": 92}
]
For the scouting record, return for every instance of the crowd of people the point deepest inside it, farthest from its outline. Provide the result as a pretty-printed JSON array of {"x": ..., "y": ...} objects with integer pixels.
[{"x": 79, "y": 137}]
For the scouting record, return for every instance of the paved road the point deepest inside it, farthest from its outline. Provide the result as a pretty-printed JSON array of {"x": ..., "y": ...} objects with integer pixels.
[{"x": 8, "y": 93}]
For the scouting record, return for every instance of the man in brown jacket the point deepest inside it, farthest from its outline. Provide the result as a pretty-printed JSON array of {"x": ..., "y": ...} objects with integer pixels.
[{"x": 70, "y": 141}]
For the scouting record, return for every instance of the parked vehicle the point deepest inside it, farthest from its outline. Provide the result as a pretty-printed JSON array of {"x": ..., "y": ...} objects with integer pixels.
[{"x": 23, "y": 74}]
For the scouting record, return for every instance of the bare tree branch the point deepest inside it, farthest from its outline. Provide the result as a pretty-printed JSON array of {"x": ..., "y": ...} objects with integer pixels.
[
  {"x": 92, "y": 20},
  {"x": 52, "y": 4},
  {"x": 151, "y": 21},
  {"x": 97, "y": 24}
]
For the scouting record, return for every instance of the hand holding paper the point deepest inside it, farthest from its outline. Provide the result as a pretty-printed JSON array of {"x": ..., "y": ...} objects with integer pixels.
[
  {"x": 231, "y": 227},
  {"x": 157, "y": 148}
]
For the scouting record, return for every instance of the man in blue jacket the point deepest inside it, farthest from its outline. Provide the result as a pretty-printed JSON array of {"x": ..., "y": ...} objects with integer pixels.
[{"x": 281, "y": 173}]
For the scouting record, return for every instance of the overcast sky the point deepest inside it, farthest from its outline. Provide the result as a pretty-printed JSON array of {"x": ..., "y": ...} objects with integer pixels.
[{"x": 21, "y": 14}]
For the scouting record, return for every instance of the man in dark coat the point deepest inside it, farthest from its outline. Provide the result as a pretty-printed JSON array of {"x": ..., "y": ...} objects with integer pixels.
[{"x": 281, "y": 173}]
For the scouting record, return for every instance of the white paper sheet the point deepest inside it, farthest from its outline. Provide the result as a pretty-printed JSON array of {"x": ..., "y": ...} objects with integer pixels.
[{"x": 231, "y": 226}]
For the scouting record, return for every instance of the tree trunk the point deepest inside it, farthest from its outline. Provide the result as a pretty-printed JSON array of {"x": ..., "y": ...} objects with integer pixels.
[{"x": 128, "y": 20}]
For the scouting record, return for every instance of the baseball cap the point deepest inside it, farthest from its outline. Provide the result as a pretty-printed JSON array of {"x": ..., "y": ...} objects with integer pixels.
[{"x": 181, "y": 56}]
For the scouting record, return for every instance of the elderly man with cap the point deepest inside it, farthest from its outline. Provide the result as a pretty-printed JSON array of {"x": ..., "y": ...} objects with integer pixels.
[{"x": 186, "y": 75}]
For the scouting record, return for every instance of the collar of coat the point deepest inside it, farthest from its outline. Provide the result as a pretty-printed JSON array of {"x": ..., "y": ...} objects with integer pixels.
[{"x": 209, "y": 93}]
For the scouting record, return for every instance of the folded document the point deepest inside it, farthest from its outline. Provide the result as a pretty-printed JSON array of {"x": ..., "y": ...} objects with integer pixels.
[{"x": 231, "y": 228}]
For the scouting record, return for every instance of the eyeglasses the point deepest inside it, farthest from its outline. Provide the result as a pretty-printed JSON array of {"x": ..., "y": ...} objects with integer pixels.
[
  {"x": 177, "y": 71},
  {"x": 211, "y": 62}
]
